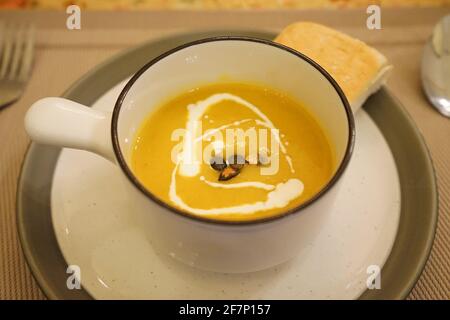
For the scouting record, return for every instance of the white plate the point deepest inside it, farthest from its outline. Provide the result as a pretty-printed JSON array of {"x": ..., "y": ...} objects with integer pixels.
[{"x": 94, "y": 232}]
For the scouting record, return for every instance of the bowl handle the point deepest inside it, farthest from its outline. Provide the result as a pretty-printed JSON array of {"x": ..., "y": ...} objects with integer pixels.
[{"x": 64, "y": 123}]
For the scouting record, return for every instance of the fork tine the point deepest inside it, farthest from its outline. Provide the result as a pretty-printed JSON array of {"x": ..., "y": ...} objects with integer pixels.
[
  {"x": 28, "y": 54},
  {"x": 6, "y": 54},
  {"x": 18, "y": 41}
]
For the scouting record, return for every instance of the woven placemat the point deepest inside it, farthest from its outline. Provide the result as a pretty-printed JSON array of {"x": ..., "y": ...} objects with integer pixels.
[{"x": 63, "y": 56}]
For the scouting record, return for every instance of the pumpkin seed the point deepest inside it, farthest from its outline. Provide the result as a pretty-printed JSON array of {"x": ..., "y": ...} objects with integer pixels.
[
  {"x": 237, "y": 162},
  {"x": 263, "y": 159},
  {"x": 228, "y": 173},
  {"x": 218, "y": 163}
]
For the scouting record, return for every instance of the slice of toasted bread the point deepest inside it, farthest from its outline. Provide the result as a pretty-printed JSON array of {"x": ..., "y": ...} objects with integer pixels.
[{"x": 359, "y": 70}]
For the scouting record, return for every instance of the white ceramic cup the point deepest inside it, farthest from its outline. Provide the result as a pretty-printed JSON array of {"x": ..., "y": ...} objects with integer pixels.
[{"x": 205, "y": 243}]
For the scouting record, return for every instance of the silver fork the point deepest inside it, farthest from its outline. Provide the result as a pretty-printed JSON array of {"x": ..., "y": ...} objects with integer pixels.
[{"x": 16, "y": 58}]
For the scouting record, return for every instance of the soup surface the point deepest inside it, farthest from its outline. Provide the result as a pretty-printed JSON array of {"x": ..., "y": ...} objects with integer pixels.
[{"x": 232, "y": 151}]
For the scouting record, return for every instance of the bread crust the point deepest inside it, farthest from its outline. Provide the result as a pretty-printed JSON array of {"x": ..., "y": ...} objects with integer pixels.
[{"x": 355, "y": 66}]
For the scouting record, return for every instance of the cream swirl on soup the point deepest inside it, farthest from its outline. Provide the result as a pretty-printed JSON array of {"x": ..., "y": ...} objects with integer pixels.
[
  {"x": 174, "y": 146},
  {"x": 189, "y": 165}
]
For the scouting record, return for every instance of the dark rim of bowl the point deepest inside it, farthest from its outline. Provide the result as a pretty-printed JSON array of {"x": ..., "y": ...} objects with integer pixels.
[{"x": 121, "y": 160}]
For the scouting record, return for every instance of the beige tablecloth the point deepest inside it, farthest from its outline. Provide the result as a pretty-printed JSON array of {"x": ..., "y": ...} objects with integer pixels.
[{"x": 63, "y": 56}]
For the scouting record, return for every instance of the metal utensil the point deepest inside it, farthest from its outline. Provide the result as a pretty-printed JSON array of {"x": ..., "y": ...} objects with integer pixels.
[
  {"x": 16, "y": 57},
  {"x": 436, "y": 67}
]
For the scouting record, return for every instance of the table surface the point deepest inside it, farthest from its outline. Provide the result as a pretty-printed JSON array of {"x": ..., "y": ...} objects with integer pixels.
[
  {"x": 213, "y": 4},
  {"x": 62, "y": 56}
]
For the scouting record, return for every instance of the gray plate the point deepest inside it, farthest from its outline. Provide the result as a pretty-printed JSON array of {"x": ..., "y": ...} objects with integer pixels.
[{"x": 418, "y": 186}]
